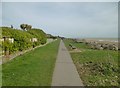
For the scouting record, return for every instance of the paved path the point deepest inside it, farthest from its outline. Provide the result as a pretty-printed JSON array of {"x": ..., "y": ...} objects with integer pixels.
[{"x": 65, "y": 73}]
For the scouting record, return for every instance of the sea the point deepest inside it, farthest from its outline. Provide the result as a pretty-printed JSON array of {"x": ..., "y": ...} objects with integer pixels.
[
  {"x": 104, "y": 39},
  {"x": 108, "y": 39}
]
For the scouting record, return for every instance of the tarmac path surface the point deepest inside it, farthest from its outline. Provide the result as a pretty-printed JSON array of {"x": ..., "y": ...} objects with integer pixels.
[{"x": 65, "y": 72}]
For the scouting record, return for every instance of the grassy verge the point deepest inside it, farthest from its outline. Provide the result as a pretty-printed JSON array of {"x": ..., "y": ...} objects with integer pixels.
[
  {"x": 95, "y": 67},
  {"x": 34, "y": 68}
]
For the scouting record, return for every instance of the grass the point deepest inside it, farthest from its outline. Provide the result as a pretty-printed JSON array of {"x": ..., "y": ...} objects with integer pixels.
[
  {"x": 95, "y": 67},
  {"x": 34, "y": 68},
  {"x": 81, "y": 46}
]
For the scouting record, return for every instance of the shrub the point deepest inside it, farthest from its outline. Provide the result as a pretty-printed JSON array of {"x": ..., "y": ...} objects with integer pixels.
[{"x": 22, "y": 39}]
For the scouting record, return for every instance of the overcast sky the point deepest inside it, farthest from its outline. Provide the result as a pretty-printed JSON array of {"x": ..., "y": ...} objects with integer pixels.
[{"x": 69, "y": 19}]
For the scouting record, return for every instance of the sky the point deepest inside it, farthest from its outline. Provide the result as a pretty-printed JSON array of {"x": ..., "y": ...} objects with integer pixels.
[
  {"x": 60, "y": 0},
  {"x": 68, "y": 19}
]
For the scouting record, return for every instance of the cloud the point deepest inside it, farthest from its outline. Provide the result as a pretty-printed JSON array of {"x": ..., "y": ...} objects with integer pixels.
[{"x": 83, "y": 19}]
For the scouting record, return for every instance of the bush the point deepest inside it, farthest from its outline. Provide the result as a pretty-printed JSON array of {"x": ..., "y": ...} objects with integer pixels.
[
  {"x": 22, "y": 39},
  {"x": 39, "y": 34}
]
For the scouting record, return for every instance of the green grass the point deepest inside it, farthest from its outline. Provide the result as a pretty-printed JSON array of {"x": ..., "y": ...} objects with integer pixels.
[
  {"x": 81, "y": 46},
  {"x": 34, "y": 68},
  {"x": 95, "y": 67}
]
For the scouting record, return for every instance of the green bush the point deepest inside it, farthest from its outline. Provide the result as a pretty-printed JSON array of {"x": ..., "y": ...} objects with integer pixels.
[
  {"x": 39, "y": 34},
  {"x": 22, "y": 39}
]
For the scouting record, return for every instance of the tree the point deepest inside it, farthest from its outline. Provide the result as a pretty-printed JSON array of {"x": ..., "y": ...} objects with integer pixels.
[
  {"x": 28, "y": 27},
  {"x": 11, "y": 26},
  {"x": 25, "y": 27}
]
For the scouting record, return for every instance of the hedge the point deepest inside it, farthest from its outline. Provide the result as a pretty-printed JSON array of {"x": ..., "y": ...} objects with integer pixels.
[{"x": 22, "y": 39}]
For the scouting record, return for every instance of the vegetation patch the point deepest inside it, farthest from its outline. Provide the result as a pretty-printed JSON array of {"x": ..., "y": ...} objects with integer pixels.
[
  {"x": 22, "y": 39},
  {"x": 34, "y": 68},
  {"x": 96, "y": 67}
]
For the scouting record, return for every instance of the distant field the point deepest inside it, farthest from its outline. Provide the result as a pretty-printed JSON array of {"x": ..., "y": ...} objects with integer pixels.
[
  {"x": 34, "y": 68},
  {"x": 95, "y": 67}
]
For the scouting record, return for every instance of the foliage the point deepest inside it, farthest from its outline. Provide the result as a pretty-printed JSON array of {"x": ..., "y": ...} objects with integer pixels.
[
  {"x": 25, "y": 26},
  {"x": 22, "y": 39},
  {"x": 39, "y": 34},
  {"x": 51, "y": 36},
  {"x": 95, "y": 67}
]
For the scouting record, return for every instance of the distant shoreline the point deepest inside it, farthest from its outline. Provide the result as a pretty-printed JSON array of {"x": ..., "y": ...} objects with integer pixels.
[{"x": 101, "y": 39}]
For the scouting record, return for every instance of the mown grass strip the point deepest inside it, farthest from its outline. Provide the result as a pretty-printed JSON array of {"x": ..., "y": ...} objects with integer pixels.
[{"x": 34, "y": 68}]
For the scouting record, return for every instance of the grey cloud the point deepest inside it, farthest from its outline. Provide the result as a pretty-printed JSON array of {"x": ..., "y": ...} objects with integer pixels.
[{"x": 66, "y": 19}]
